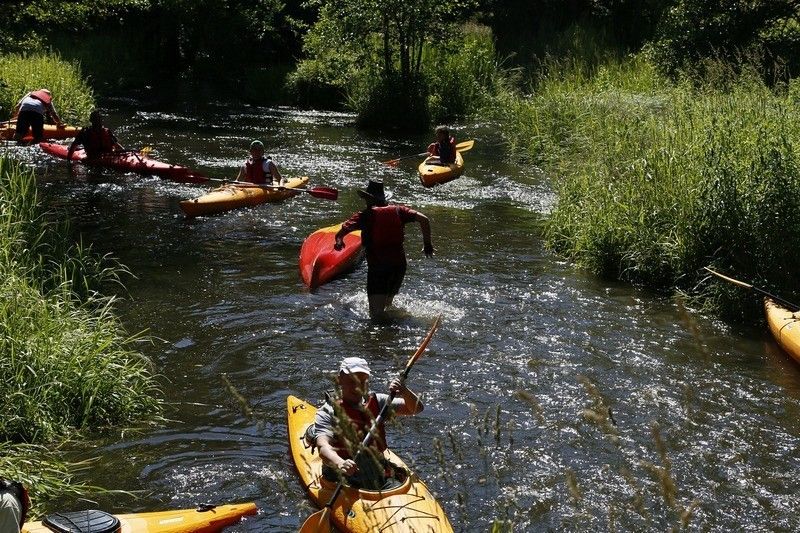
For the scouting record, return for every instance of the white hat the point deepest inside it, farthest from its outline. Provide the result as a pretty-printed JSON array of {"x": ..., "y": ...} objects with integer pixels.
[{"x": 351, "y": 365}]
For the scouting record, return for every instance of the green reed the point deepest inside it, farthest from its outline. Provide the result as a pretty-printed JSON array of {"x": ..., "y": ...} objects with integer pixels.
[
  {"x": 66, "y": 364},
  {"x": 656, "y": 179},
  {"x": 19, "y": 74}
]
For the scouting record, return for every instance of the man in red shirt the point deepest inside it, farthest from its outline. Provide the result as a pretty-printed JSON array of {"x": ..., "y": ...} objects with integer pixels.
[
  {"x": 382, "y": 234},
  {"x": 96, "y": 139}
]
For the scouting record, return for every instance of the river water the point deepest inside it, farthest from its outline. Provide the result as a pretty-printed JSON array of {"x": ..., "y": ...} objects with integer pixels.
[{"x": 518, "y": 382}]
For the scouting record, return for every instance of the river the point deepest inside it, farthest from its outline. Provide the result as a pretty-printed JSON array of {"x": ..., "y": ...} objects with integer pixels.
[{"x": 518, "y": 382}]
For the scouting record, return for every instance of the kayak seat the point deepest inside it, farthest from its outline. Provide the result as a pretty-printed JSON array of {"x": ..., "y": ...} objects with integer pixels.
[{"x": 91, "y": 521}]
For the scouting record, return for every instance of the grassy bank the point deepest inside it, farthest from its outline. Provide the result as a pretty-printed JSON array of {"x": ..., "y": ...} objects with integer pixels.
[
  {"x": 656, "y": 179},
  {"x": 67, "y": 366},
  {"x": 72, "y": 97}
]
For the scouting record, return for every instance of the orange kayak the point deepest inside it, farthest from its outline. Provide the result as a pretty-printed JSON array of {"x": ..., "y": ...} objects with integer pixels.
[
  {"x": 320, "y": 263},
  {"x": 50, "y": 132},
  {"x": 230, "y": 197},
  {"x": 204, "y": 519},
  {"x": 785, "y": 327}
]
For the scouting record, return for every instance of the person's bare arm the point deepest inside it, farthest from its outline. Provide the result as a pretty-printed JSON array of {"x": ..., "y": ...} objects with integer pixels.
[
  {"x": 328, "y": 453},
  {"x": 425, "y": 226}
]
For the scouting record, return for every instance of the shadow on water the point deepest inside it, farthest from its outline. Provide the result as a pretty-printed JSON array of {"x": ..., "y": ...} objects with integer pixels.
[{"x": 532, "y": 362}]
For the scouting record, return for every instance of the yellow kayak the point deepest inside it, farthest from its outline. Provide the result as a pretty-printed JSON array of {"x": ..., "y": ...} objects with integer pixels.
[
  {"x": 230, "y": 197},
  {"x": 431, "y": 174},
  {"x": 50, "y": 131},
  {"x": 205, "y": 519},
  {"x": 409, "y": 507},
  {"x": 785, "y": 327}
]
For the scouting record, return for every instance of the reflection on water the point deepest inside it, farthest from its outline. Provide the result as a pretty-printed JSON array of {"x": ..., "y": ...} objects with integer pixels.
[{"x": 519, "y": 382}]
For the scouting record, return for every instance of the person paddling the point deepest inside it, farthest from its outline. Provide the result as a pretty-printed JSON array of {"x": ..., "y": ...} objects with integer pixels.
[
  {"x": 31, "y": 112},
  {"x": 259, "y": 169},
  {"x": 344, "y": 420},
  {"x": 444, "y": 147},
  {"x": 382, "y": 234},
  {"x": 96, "y": 139}
]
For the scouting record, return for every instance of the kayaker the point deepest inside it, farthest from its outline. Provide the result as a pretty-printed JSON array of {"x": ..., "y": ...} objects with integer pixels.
[
  {"x": 31, "y": 112},
  {"x": 14, "y": 505},
  {"x": 96, "y": 139},
  {"x": 382, "y": 234},
  {"x": 444, "y": 146},
  {"x": 343, "y": 421},
  {"x": 257, "y": 167}
]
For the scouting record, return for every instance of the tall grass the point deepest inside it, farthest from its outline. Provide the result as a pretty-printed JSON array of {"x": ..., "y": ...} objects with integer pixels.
[
  {"x": 19, "y": 74},
  {"x": 66, "y": 364},
  {"x": 657, "y": 179}
]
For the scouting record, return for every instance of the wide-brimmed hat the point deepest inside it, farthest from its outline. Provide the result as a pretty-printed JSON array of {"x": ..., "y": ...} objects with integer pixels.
[{"x": 375, "y": 192}]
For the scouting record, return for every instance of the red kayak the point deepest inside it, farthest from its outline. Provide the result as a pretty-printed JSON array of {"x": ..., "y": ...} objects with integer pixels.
[
  {"x": 320, "y": 263},
  {"x": 129, "y": 162}
]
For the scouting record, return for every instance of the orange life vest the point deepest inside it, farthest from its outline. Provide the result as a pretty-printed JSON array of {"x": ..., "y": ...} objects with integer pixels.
[
  {"x": 42, "y": 96},
  {"x": 98, "y": 142}
]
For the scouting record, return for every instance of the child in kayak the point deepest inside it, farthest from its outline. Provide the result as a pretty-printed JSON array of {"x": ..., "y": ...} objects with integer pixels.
[
  {"x": 96, "y": 139},
  {"x": 344, "y": 420},
  {"x": 31, "y": 112},
  {"x": 259, "y": 169},
  {"x": 444, "y": 146},
  {"x": 382, "y": 235}
]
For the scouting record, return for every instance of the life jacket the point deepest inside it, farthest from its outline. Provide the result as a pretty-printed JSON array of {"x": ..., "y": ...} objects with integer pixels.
[
  {"x": 447, "y": 151},
  {"x": 98, "y": 142},
  {"x": 361, "y": 418},
  {"x": 254, "y": 170},
  {"x": 42, "y": 96},
  {"x": 18, "y": 490}
]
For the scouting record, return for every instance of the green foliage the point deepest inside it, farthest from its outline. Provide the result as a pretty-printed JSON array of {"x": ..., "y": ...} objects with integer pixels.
[
  {"x": 20, "y": 74},
  {"x": 657, "y": 179},
  {"x": 390, "y": 101},
  {"x": 67, "y": 364}
]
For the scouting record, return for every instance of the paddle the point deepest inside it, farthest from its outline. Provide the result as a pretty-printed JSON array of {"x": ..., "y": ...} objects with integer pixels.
[
  {"x": 787, "y": 303},
  {"x": 326, "y": 193},
  {"x": 460, "y": 147},
  {"x": 320, "y": 522}
]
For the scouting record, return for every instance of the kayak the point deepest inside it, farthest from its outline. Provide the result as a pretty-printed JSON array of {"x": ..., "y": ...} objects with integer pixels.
[
  {"x": 230, "y": 197},
  {"x": 785, "y": 327},
  {"x": 320, "y": 263},
  {"x": 204, "y": 519},
  {"x": 431, "y": 174},
  {"x": 409, "y": 507},
  {"x": 128, "y": 162},
  {"x": 50, "y": 131}
]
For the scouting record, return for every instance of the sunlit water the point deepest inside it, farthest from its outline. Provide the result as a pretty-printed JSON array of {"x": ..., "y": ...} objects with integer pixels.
[{"x": 506, "y": 380}]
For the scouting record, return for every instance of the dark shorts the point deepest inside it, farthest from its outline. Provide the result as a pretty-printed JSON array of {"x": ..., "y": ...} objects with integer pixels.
[
  {"x": 383, "y": 279},
  {"x": 30, "y": 120}
]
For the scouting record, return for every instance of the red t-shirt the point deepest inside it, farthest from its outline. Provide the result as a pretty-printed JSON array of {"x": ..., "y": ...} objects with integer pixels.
[{"x": 382, "y": 232}]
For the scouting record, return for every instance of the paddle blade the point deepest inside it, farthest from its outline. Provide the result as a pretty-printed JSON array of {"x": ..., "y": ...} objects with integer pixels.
[
  {"x": 324, "y": 192},
  {"x": 424, "y": 344},
  {"x": 319, "y": 522},
  {"x": 464, "y": 146},
  {"x": 728, "y": 279}
]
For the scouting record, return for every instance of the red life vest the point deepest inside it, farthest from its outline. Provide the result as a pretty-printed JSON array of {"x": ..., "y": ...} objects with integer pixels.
[
  {"x": 447, "y": 151},
  {"x": 98, "y": 142},
  {"x": 254, "y": 170},
  {"x": 42, "y": 96},
  {"x": 384, "y": 234},
  {"x": 361, "y": 418}
]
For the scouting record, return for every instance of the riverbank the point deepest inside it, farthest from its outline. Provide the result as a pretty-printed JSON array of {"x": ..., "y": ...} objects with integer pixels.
[
  {"x": 68, "y": 367},
  {"x": 658, "y": 178}
]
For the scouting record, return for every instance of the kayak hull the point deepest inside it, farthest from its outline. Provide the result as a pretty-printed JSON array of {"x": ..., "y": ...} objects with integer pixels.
[
  {"x": 127, "y": 162},
  {"x": 50, "y": 131},
  {"x": 177, "y": 521},
  {"x": 431, "y": 174},
  {"x": 230, "y": 197},
  {"x": 785, "y": 327},
  {"x": 320, "y": 263},
  {"x": 410, "y": 507}
]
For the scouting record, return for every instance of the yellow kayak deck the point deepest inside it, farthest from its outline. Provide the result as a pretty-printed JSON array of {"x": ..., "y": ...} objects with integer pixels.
[
  {"x": 431, "y": 174},
  {"x": 228, "y": 197},
  {"x": 785, "y": 327},
  {"x": 410, "y": 507}
]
